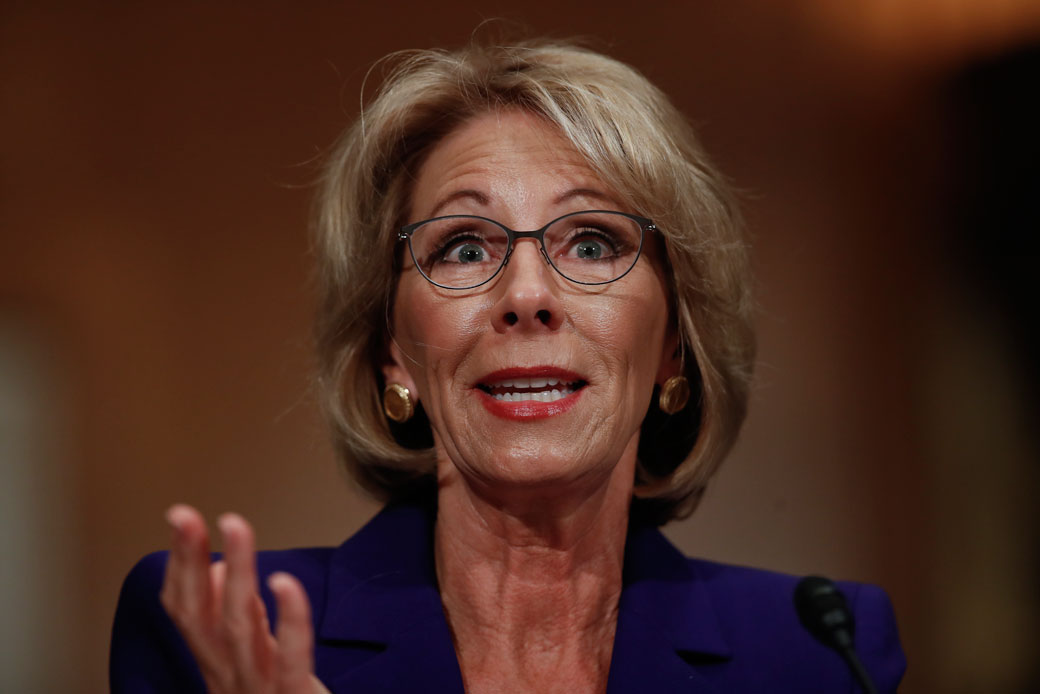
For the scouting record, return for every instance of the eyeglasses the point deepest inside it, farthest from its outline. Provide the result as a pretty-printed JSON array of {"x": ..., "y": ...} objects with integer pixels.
[{"x": 464, "y": 251}]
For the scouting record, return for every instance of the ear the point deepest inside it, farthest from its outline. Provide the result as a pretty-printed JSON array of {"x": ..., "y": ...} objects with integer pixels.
[
  {"x": 394, "y": 368},
  {"x": 671, "y": 357}
]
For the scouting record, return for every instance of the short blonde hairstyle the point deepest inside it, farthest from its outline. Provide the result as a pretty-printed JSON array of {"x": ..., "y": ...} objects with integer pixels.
[{"x": 638, "y": 143}]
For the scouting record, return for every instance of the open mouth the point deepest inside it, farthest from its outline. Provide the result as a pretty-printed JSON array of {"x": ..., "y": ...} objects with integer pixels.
[{"x": 538, "y": 389}]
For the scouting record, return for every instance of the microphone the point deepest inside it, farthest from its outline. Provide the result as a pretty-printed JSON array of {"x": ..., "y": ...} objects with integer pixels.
[{"x": 825, "y": 614}]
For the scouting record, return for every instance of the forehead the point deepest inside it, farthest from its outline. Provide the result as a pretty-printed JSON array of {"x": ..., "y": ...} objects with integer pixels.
[{"x": 501, "y": 157}]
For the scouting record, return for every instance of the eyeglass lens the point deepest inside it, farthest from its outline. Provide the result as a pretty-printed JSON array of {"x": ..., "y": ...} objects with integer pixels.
[{"x": 588, "y": 247}]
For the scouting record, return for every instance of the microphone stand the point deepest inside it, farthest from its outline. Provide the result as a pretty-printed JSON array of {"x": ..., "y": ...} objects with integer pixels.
[{"x": 824, "y": 612}]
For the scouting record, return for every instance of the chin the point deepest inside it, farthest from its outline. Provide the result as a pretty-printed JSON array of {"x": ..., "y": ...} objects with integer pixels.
[{"x": 544, "y": 472}]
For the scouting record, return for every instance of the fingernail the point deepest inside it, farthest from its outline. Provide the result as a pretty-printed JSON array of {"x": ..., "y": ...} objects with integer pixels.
[
  {"x": 278, "y": 581},
  {"x": 175, "y": 517}
]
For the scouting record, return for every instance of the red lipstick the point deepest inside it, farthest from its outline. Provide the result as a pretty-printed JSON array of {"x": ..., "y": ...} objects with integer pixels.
[{"x": 496, "y": 391}]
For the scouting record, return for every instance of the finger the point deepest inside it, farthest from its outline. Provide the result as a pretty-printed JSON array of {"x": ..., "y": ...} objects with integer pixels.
[
  {"x": 217, "y": 577},
  {"x": 186, "y": 592},
  {"x": 316, "y": 687},
  {"x": 244, "y": 616},
  {"x": 295, "y": 635}
]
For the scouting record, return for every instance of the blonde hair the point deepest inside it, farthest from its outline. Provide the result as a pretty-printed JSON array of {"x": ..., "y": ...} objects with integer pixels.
[{"x": 640, "y": 146}]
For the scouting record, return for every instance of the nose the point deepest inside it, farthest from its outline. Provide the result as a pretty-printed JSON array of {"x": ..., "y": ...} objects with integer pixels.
[{"x": 527, "y": 299}]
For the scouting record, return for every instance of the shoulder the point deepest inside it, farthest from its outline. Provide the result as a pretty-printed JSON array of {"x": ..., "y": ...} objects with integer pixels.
[
  {"x": 755, "y": 610},
  {"x": 147, "y": 653}
]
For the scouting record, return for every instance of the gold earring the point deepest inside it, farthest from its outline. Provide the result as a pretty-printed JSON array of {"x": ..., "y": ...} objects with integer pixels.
[
  {"x": 397, "y": 403},
  {"x": 675, "y": 393}
]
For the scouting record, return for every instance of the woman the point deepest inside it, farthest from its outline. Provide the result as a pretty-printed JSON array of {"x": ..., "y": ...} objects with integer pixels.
[{"x": 531, "y": 404}]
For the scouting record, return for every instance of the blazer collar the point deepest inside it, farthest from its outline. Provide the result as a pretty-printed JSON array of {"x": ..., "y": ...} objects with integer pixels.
[
  {"x": 667, "y": 629},
  {"x": 382, "y": 581},
  {"x": 664, "y": 589},
  {"x": 382, "y": 589}
]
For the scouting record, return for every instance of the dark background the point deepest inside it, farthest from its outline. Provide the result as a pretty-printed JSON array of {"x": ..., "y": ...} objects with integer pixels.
[{"x": 156, "y": 297}]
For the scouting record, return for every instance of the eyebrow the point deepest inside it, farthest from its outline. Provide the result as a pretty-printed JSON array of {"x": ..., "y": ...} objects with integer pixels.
[
  {"x": 475, "y": 195},
  {"x": 482, "y": 199},
  {"x": 585, "y": 193}
]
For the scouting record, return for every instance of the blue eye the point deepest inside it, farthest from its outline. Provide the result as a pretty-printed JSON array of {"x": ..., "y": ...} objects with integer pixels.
[
  {"x": 464, "y": 253},
  {"x": 593, "y": 244},
  {"x": 589, "y": 249}
]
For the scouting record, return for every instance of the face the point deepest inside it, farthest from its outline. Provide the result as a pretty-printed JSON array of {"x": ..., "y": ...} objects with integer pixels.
[{"x": 528, "y": 380}]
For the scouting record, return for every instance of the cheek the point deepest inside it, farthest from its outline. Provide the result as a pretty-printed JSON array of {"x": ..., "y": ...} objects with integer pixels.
[
  {"x": 629, "y": 330},
  {"x": 435, "y": 334}
]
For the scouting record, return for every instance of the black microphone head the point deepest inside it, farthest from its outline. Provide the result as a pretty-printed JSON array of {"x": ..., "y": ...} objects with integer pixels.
[{"x": 823, "y": 611}]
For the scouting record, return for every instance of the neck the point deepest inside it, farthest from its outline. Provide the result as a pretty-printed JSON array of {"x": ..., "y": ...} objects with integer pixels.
[{"x": 530, "y": 580}]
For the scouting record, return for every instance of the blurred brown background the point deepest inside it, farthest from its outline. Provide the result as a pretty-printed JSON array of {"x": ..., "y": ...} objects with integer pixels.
[{"x": 155, "y": 296}]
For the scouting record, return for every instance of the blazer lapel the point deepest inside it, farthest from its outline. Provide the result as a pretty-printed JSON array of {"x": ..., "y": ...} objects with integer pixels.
[
  {"x": 421, "y": 659},
  {"x": 384, "y": 629},
  {"x": 668, "y": 632}
]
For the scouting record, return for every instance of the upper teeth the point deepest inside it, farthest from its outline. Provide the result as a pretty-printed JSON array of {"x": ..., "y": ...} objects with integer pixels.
[
  {"x": 544, "y": 388},
  {"x": 526, "y": 383},
  {"x": 540, "y": 395}
]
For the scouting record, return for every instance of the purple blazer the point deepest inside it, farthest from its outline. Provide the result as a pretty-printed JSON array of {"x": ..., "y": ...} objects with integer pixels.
[{"x": 684, "y": 625}]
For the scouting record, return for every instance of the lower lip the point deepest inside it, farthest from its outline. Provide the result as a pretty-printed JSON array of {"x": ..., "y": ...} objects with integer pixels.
[{"x": 528, "y": 409}]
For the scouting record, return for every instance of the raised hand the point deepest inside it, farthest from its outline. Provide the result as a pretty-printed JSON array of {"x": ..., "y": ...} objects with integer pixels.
[{"x": 217, "y": 608}]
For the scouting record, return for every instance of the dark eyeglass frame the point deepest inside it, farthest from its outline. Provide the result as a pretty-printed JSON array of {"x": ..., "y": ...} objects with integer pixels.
[{"x": 405, "y": 234}]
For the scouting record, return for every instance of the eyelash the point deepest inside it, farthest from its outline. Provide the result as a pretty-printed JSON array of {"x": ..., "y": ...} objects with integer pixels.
[
  {"x": 614, "y": 242},
  {"x": 439, "y": 251},
  {"x": 611, "y": 240}
]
